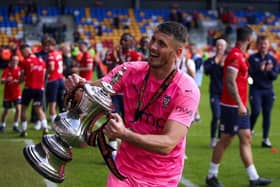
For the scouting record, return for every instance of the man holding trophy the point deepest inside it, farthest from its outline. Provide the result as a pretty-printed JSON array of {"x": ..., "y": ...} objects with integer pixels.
[{"x": 159, "y": 105}]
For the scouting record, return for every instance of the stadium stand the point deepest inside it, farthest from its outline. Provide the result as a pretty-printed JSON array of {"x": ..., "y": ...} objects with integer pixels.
[{"x": 97, "y": 25}]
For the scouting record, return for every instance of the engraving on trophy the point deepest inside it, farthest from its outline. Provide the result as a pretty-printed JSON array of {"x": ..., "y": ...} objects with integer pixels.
[{"x": 74, "y": 128}]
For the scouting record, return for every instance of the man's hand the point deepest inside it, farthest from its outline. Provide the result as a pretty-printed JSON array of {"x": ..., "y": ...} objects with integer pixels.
[
  {"x": 242, "y": 110},
  {"x": 75, "y": 70},
  {"x": 72, "y": 82},
  {"x": 269, "y": 67},
  {"x": 262, "y": 66},
  {"x": 115, "y": 127}
]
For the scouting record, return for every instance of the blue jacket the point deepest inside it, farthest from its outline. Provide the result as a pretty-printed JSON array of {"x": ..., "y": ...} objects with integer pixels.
[
  {"x": 262, "y": 79},
  {"x": 215, "y": 72}
]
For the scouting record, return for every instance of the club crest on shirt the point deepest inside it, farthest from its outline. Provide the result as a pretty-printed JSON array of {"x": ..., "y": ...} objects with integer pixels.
[{"x": 166, "y": 100}]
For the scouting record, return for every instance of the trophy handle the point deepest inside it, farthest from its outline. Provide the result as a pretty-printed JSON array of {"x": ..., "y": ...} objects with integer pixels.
[
  {"x": 71, "y": 99},
  {"x": 98, "y": 137}
]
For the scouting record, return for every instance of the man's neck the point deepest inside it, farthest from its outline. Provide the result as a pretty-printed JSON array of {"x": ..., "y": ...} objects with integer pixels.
[
  {"x": 242, "y": 46},
  {"x": 263, "y": 53},
  {"x": 161, "y": 73}
]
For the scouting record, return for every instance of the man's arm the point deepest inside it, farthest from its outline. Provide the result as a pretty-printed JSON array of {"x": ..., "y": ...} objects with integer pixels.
[
  {"x": 233, "y": 90},
  {"x": 163, "y": 143},
  {"x": 88, "y": 67},
  {"x": 273, "y": 69},
  {"x": 208, "y": 66}
]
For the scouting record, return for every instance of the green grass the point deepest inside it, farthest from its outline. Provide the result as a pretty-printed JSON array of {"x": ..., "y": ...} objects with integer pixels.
[{"x": 88, "y": 169}]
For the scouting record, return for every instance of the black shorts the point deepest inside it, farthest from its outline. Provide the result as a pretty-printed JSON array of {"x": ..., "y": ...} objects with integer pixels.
[
  {"x": 32, "y": 94},
  {"x": 231, "y": 121},
  {"x": 10, "y": 104}
]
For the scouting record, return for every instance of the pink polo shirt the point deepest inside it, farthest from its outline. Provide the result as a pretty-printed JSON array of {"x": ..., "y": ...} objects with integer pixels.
[{"x": 178, "y": 102}]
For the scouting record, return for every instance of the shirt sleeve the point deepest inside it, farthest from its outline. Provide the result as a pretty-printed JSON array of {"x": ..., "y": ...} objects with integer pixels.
[
  {"x": 233, "y": 62},
  {"x": 107, "y": 78},
  {"x": 185, "y": 106}
]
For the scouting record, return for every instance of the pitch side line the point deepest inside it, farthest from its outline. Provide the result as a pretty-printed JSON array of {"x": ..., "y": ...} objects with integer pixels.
[{"x": 187, "y": 183}]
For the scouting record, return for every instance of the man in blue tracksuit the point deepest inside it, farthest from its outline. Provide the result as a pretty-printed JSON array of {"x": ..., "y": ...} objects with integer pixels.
[
  {"x": 263, "y": 70},
  {"x": 214, "y": 68}
]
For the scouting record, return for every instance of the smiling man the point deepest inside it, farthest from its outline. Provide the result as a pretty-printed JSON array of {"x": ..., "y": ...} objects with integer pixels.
[{"x": 157, "y": 115}]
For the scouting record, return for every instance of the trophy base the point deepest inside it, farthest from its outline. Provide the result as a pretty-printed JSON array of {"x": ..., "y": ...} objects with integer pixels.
[
  {"x": 49, "y": 157},
  {"x": 40, "y": 165}
]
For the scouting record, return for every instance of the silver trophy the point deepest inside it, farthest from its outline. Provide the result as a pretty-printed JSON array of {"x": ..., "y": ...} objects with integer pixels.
[{"x": 74, "y": 128}]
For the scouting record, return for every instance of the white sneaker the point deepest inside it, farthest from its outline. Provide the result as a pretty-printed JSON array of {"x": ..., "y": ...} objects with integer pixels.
[
  {"x": 197, "y": 118},
  {"x": 37, "y": 125},
  {"x": 266, "y": 143}
]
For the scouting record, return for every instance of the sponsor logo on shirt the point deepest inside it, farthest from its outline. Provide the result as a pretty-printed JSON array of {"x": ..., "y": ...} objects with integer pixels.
[
  {"x": 184, "y": 110},
  {"x": 166, "y": 100}
]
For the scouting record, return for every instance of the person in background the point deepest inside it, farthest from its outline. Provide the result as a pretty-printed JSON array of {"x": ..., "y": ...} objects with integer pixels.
[
  {"x": 12, "y": 92},
  {"x": 214, "y": 68},
  {"x": 143, "y": 47},
  {"x": 235, "y": 118},
  {"x": 263, "y": 70},
  {"x": 44, "y": 55},
  {"x": 186, "y": 64},
  {"x": 67, "y": 60},
  {"x": 55, "y": 84},
  {"x": 33, "y": 73},
  {"x": 152, "y": 151},
  {"x": 124, "y": 52},
  {"x": 197, "y": 58},
  {"x": 84, "y": 66}
]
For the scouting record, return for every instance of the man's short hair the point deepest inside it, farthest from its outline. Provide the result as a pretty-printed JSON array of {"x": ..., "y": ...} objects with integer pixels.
[
  {"x": 175, "y": 29},
  {"x": 23, "y": 46},
  {"x": 126, "y": 36},
  {"x": 144, "y": 39},
  {"x": 243, "y": 33},
  {"x": 262, "y": 38},
  {"x": 82, "y": 42},
  {"x": 49, "y": 41}
]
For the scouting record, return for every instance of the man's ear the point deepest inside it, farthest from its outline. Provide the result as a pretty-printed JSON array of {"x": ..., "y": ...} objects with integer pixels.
[{"x": 179, "y": 52}]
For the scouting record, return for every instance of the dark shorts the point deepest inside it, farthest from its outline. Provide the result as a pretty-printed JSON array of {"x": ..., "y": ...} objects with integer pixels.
[
  {"x": 54, "y": 90},
  {"x": 231, "y": 121},
  {"x": 32, "y": 94},
  {"x": 10, "y": 104}
]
